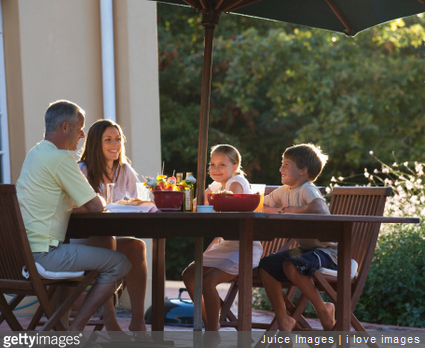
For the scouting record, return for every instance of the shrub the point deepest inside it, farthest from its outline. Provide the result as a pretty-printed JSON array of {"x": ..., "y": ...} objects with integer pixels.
[{"x": 394, "y": 292}]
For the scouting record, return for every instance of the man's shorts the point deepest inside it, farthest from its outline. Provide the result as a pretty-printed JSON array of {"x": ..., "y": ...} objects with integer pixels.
[{"x": 111, "y": 265}]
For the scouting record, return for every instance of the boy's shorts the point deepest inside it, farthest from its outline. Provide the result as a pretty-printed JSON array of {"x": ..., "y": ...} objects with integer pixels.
[{"x": 306, "y": 262}]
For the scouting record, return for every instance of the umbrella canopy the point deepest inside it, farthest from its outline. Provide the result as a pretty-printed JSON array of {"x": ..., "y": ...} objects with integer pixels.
[{"x": 344, "y": 16}]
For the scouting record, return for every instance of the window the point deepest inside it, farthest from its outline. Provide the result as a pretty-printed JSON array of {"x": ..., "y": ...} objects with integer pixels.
[{"x": 4, "y": 131}]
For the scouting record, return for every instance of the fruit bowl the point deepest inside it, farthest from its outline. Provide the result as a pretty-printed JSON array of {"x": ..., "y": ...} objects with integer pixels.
[
  {"x": 168, "y": 200},
  {"x": 234, "y": 201}
]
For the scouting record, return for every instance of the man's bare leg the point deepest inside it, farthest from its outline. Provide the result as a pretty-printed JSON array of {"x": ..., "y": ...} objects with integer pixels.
[{"x": 100, "y": 294}]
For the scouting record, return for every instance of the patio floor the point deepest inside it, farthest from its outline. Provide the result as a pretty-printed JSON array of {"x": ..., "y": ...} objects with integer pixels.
[{"x": 172, "y": 291}]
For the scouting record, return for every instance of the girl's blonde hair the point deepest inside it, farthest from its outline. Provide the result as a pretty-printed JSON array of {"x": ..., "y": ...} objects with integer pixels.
[{"x": 231, "y": 152}]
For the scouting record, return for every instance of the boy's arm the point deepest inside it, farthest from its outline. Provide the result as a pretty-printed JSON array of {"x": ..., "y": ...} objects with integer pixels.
[
  {"x": 268, "y": 209},
  {"x": 316, "y": 206}
]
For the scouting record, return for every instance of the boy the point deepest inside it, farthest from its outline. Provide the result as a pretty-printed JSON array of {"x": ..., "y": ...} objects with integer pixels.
[{"x": 301, "y": 165}]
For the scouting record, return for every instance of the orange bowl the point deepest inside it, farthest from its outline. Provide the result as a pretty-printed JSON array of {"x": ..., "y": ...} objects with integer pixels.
[
  {"x": 234, "y": 201},
  {"x": 168, "y": 200}
]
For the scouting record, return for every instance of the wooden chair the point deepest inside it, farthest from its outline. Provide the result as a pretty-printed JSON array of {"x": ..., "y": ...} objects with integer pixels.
[
  {"x": 15, "y": 254},
  {"x": 227, "y": 317},
  {"x": 349, "y": 201}
]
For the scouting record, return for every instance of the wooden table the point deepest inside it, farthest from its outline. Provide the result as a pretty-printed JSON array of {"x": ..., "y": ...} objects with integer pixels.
[{"x": 244, "y": 227}]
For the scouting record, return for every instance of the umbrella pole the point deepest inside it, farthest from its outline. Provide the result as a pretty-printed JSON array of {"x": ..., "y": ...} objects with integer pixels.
[
  {"x": 204, "y": 114},
  {"x": 209, "y": 20}
]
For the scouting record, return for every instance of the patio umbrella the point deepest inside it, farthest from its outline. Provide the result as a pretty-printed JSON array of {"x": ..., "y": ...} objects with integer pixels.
[{"x": 344, "y": 16}]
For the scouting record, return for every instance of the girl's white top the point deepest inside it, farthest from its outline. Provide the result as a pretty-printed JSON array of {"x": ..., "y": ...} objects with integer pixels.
[
  {"x": 216, "y": 186},
  {"x": 225, "y": 254}
]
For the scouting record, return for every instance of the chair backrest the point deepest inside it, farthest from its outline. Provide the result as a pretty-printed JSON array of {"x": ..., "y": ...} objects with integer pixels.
[
  {"x": 15, "y": 251},
  {"x": 361, "y": 201}
]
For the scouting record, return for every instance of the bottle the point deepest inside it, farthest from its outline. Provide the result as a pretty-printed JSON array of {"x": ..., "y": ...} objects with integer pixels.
[
  {"x": 179, "y": 179},
  {"x": 188, "y": 196}
]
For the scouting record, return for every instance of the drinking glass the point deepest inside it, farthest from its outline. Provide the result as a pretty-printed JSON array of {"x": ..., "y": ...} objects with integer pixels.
[
  {"x": 142, "y": 192},
  {"x": 110, "y": 193},
  {"x": 259, "y": 188}
]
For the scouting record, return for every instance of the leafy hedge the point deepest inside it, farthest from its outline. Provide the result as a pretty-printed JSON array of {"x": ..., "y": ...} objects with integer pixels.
[{"x": 394, "y": 292}]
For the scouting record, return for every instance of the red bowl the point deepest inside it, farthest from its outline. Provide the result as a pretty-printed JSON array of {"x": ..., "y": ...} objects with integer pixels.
[
  {"x": 234, "y": 201},
  {"x": 168, "y": 200}
]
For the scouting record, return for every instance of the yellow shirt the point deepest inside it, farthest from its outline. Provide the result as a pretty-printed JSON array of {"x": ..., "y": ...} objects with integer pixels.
[{"x": 49, "y": 183}]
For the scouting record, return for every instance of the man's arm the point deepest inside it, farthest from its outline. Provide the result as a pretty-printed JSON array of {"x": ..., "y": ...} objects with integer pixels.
[{"x": 95, "y": 205}]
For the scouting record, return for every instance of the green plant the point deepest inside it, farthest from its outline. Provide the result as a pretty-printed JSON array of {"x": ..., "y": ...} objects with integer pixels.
[{"x": 394, "y": 292}]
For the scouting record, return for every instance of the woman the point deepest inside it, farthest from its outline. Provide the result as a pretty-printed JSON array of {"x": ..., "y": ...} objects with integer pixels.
[{"x": 103, "y": 161}]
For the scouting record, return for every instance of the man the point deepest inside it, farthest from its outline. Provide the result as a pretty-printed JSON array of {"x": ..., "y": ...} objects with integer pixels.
[{"x": 49, "y": 184}]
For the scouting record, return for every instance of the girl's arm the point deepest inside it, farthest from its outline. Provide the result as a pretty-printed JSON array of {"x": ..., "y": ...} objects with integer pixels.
[
  {"x": 207, "y": 192},
  {"x": 235, "y": 187}
]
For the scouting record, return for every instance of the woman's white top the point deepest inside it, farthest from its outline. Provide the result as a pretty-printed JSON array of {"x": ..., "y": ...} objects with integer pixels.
[
  {"x": 224, "y": 255},
  {"x": 125, "y": 181}
]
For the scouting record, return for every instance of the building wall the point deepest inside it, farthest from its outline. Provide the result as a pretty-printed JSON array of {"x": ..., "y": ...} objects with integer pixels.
[
  {"x": 137, "y": 82},
  {"x": 53, "y": 51}
]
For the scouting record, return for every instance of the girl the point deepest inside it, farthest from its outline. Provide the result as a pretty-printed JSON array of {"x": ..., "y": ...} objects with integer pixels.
[
  {"x": 103, "y": 161},
  {"x": 221, "y": 260}
]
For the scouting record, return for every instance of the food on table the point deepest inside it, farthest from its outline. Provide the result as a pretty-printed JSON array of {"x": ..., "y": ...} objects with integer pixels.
[
  {"x": 132, "y": 202},
  {"x": 162, "y": 183}
]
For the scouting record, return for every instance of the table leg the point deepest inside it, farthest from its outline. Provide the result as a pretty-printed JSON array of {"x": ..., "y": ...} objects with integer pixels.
[
  {"x": 245, "y": 283},
  {"x": 197, "y": 315},
  {"x": 158, "y": 286},
  {"x": 344, "y": 280}
]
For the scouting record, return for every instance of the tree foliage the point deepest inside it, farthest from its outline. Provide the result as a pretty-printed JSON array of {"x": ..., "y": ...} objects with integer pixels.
[{"x": 276, "y": 84}]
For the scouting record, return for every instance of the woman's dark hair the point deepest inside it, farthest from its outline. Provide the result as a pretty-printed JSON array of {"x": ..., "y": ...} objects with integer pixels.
[{"x": 93, "y": 157}]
